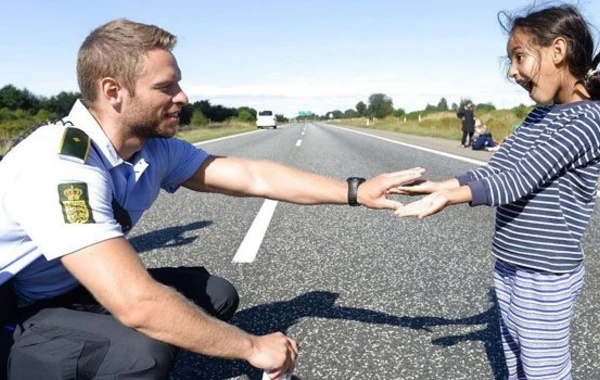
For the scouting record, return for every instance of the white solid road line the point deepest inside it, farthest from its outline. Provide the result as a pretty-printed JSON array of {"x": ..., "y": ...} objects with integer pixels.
[
  {"x": 450, "y": 155},
  {"x": 247, "y": 251},
  {"x": 227, "y": 137}
]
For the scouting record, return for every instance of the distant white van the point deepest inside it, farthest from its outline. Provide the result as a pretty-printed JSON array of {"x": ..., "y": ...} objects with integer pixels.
[{"x": 266, "y": 119}]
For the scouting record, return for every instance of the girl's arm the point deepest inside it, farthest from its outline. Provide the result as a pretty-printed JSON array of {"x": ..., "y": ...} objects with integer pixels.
[
  {"x": 569, "y": 148},
  {"x": 575, "y": 145}
]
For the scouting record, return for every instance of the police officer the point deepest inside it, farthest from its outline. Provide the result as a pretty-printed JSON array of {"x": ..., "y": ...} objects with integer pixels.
[{"x": 87, "y": 307}]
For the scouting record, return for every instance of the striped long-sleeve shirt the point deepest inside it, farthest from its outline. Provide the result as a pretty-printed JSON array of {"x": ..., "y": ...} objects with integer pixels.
[{"x": 543, "y": 180}]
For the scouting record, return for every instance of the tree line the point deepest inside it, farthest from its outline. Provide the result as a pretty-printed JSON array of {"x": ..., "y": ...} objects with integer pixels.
[
  {"x": 381, "y": 106},
  {"x": 21, "y": 109}
]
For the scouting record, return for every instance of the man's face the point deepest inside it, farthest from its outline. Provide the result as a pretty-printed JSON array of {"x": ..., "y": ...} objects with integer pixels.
[{"x": 154, "y": 109}]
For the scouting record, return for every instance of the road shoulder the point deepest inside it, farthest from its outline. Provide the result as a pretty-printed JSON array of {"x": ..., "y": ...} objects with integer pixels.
[{"x": 435, "y": 143}]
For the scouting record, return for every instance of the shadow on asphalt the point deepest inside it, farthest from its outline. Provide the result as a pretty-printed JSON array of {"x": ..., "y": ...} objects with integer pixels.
[
  {"x": 279, "y": 316},
  {"x": 167, "y": 237},
  {"x": 489, "y": 335}
]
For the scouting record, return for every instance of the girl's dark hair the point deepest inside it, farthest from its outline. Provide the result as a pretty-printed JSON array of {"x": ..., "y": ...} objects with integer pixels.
[{"x": 565, "y": 20}]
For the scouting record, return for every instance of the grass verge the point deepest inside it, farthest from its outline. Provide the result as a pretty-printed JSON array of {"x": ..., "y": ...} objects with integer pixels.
[
  {"x": 192, "y": 134},
  {"x": 441, "y": 124},
  {"x": 198, "y": 134}
]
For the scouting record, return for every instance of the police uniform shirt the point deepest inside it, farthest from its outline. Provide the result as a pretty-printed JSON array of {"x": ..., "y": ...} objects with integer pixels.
[{"x": 57, "y": 196}]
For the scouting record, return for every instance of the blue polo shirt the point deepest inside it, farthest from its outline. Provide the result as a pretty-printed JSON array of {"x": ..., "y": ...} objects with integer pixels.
[{"x": 53, "y": 204}]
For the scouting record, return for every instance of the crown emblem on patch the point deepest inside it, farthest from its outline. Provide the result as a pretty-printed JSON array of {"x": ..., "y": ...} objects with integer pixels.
[
  {"x": 73, "y": 193},
  {"x": 74, "y": 201}
]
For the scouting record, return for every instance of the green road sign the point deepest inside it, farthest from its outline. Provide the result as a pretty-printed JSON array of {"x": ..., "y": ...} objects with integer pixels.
[{"x": 305, "y": 113}]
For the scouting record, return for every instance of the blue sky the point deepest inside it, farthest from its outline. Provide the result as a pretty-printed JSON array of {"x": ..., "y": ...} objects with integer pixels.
[{"x": 286, "y": 55}]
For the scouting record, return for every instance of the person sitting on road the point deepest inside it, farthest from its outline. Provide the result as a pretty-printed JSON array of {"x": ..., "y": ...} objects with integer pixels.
[
  {"x": 70, "y": 192},
  {"x": 482, "y": 138}
]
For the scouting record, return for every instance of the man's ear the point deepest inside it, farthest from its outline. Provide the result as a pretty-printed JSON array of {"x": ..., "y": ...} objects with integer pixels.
[
  {"x": 111, "y": 90},
  {"x": 559, "y": 50}
]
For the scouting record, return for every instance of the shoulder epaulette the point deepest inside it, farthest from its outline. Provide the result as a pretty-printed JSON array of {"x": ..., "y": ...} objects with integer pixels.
[{"x": 75, "y": 143}]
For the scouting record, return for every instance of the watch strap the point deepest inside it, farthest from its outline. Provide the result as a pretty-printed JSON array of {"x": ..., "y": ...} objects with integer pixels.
[{"x": 353, "y": 183}]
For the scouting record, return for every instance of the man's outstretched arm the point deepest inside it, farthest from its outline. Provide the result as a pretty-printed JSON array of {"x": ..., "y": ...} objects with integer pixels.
[{"x": 240, "y": 177}]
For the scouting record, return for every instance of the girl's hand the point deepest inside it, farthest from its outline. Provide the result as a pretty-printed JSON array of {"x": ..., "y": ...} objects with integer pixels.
[
  {"x": 373, "y": 193},
  {"x": 431, "y": 204},
  {"x": 418, "y": 187}
]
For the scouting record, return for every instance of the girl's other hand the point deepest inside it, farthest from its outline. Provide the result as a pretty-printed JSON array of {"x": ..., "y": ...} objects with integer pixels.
[{"x": 431, "y": 204}]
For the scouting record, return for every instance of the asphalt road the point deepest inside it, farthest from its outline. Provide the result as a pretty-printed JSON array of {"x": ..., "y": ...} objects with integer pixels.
[{"x": 366, "y": 295}]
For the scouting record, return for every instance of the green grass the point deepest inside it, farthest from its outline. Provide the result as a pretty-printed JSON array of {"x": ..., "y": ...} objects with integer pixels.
[
  {"x": 3, "y": 147},
  {"x": 213, "y": 131},
  {"x": 196, "y": 134},
  {"x": 441, "y": 124}
]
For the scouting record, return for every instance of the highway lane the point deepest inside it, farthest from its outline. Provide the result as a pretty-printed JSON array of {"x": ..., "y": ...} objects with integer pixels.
[{"x": 367, "y": 295}]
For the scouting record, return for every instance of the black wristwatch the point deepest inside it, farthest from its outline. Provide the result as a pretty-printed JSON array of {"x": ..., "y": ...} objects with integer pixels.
[{"x": 353, "y": 183}]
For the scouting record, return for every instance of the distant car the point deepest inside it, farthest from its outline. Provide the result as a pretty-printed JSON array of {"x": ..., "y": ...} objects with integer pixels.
[{"x": 266, "y": 119}]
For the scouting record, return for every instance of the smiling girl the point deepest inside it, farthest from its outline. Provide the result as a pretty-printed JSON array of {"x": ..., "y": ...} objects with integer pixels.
[{"x": 543, "y": 181}]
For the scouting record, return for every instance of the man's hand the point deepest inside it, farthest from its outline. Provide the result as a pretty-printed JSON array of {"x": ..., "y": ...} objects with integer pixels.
[
  {"x": 431, "y": 204},
  {"x": 275, "y": 353},
  {"x": 373, "y": 193}
]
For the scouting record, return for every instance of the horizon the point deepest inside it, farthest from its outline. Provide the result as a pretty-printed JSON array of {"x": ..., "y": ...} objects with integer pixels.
[{"x": 289, "y": 57}]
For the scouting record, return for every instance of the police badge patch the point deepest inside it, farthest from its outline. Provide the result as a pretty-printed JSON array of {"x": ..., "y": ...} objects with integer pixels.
[{"x": 75, "y": 203}]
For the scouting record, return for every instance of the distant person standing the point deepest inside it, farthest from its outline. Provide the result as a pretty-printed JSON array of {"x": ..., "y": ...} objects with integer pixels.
[{"x": 467, "y": 115}]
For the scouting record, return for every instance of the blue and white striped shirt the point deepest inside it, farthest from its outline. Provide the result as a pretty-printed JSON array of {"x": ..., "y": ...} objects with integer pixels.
[{"x": 544, "y": 181}]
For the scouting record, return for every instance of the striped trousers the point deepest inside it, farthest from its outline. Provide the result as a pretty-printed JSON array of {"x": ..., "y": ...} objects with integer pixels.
[{"x": 536, "y": 311}]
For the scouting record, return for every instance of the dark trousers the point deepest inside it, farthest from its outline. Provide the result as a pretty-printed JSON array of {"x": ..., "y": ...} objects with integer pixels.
[
  {"x": 72, "y": 337},
  {"x": 467, "y": 138}
]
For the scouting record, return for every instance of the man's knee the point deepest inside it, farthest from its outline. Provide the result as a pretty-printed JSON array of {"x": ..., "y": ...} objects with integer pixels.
[
  {"x": 214, "y": 294},
  {"x": 225, "y": 297}
]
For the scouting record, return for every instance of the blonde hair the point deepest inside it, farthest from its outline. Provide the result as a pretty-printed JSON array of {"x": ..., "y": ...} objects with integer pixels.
[{"x": 116, "y": 49}]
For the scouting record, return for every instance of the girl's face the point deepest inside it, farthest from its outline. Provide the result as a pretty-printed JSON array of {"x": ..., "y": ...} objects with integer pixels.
[{"x": 533, "y": 68}]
